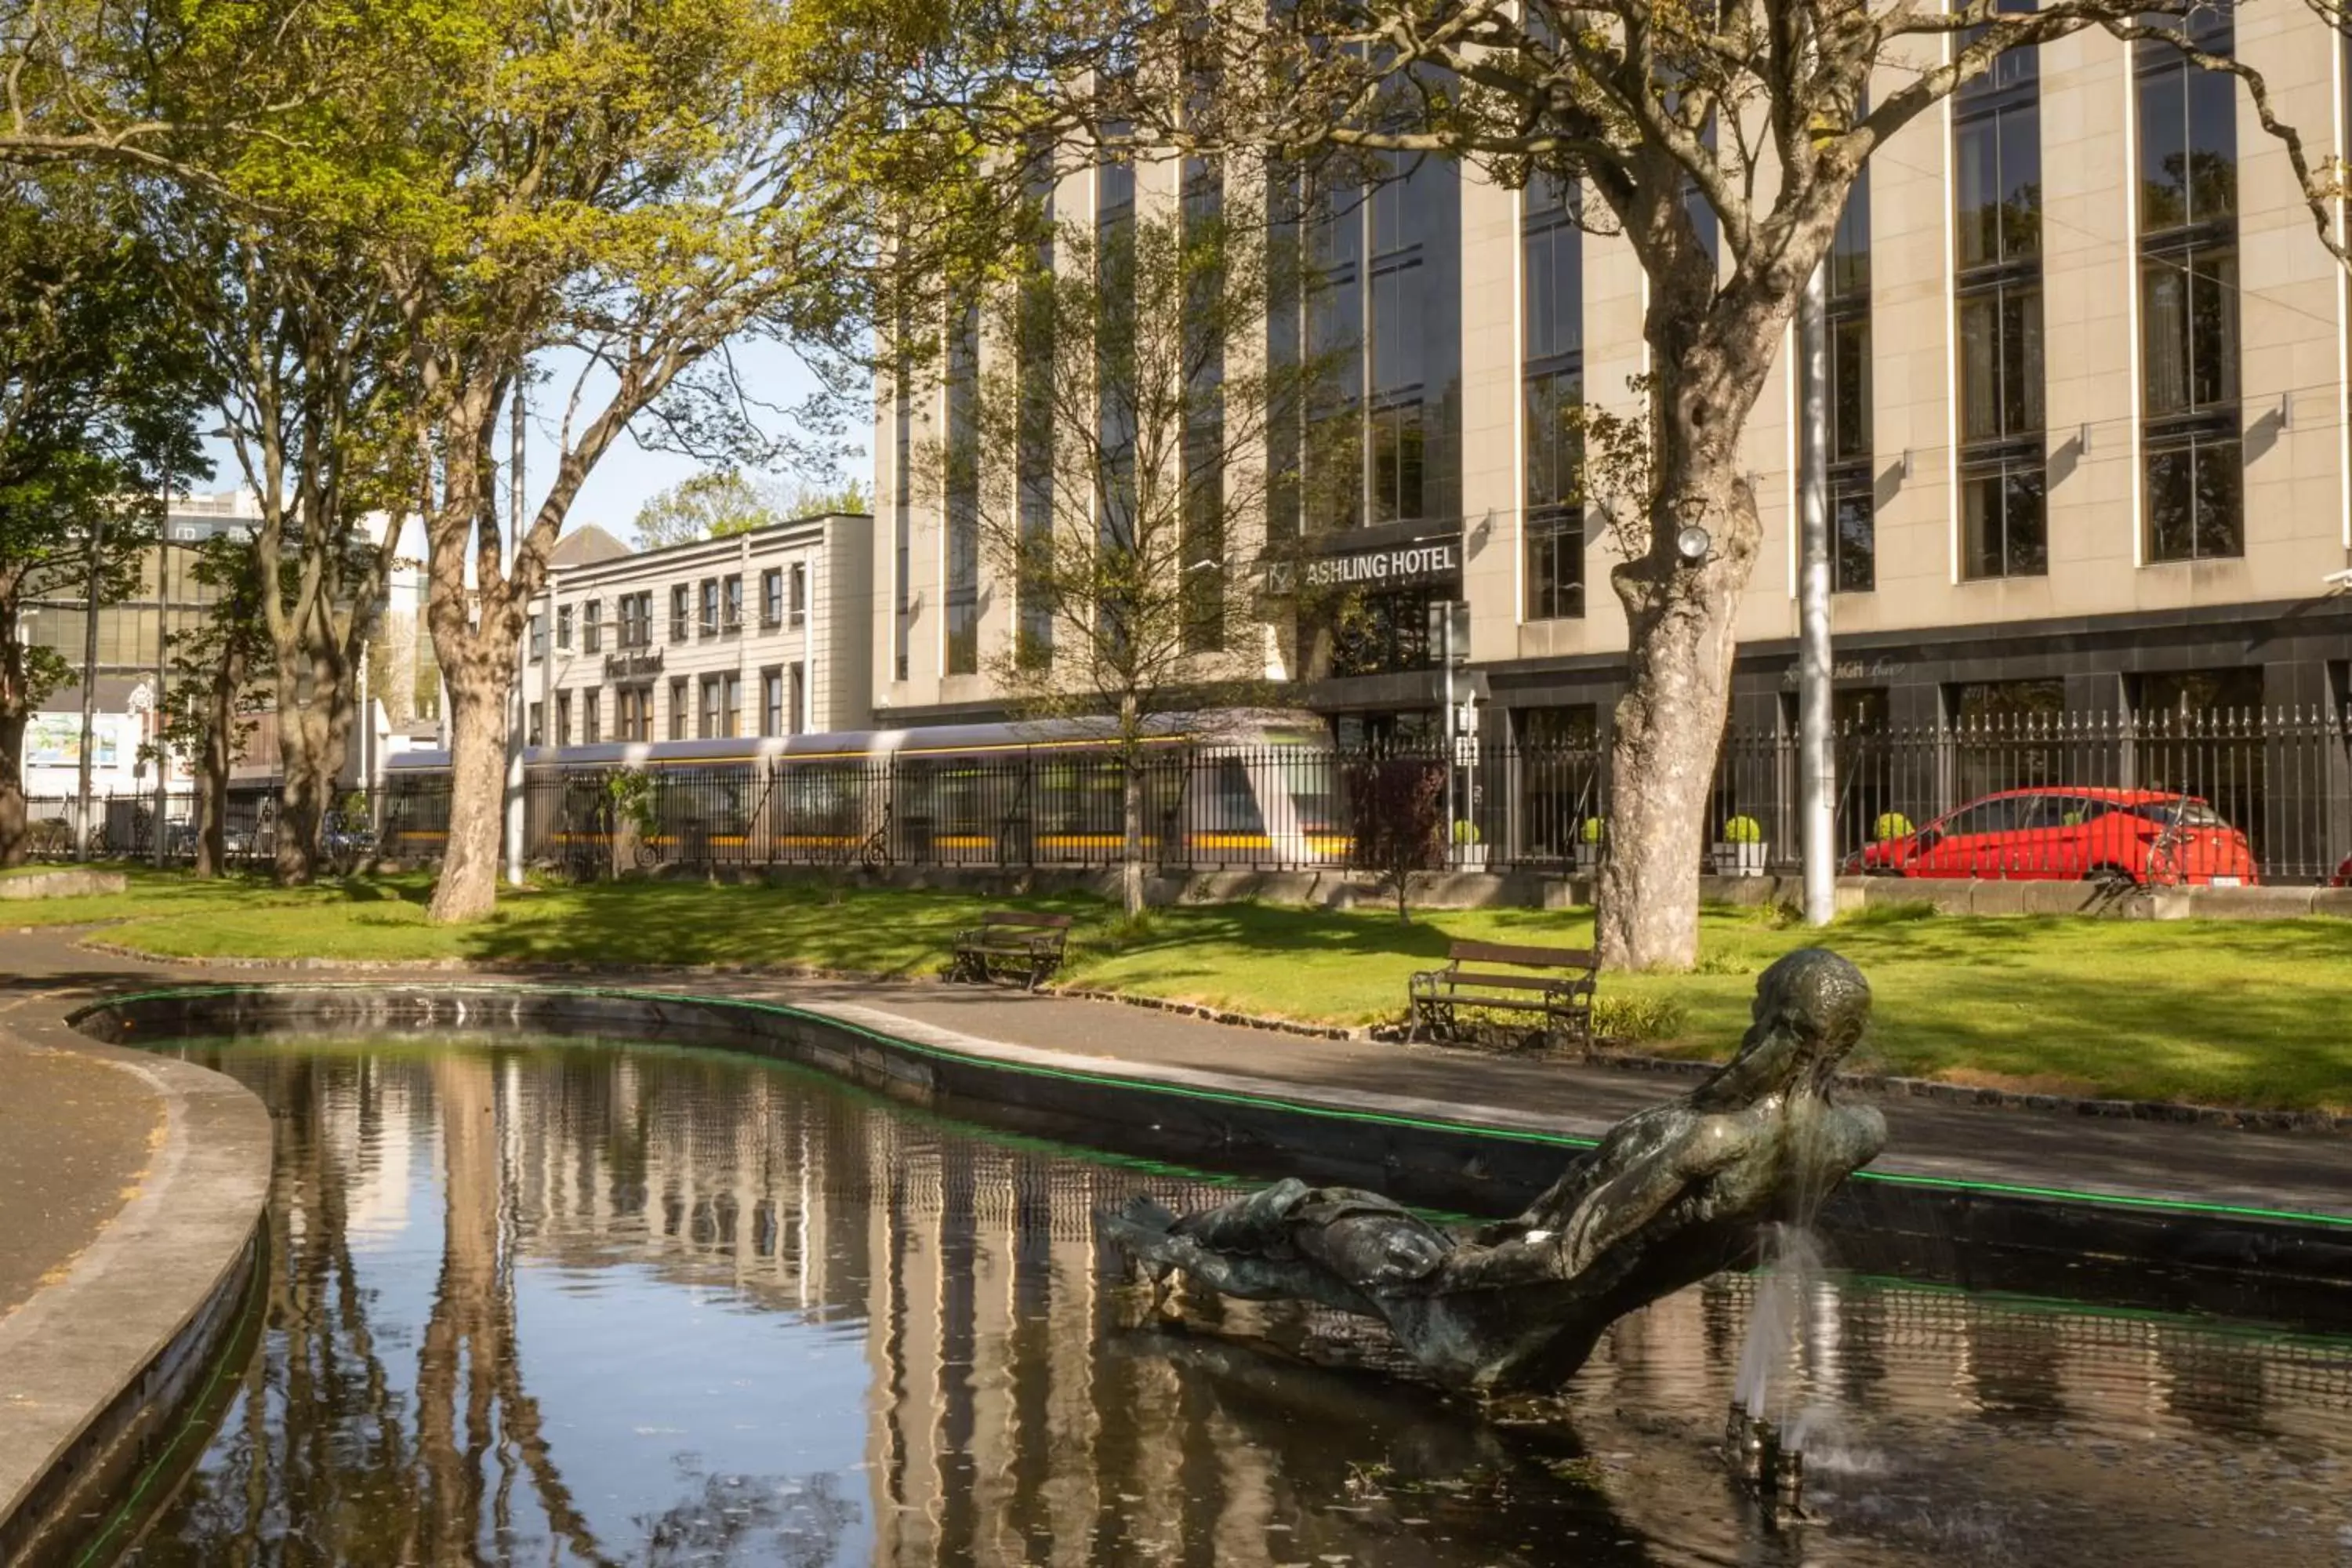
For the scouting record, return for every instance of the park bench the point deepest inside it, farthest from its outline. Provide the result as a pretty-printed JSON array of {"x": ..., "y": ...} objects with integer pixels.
[
  {"x": 1552, "y": 986},
  {"x": 1013, "y": 939}
]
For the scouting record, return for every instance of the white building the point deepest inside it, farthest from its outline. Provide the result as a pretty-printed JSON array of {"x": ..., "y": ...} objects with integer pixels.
[{"x": 761, "y": 633}]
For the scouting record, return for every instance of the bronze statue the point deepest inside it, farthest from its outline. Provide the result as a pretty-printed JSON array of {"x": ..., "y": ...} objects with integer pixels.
[{"x": 1670, "y": 1196}]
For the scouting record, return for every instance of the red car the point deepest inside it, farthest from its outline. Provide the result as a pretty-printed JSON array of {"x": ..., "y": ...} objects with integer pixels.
[{"x": 2148, "y": 838}]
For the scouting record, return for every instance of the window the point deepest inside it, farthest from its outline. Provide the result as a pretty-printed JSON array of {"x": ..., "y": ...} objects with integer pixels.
[
  {"x": 2194, "y": 474},
  {"x": 709, "y": 727},
  {"x": 1997, "y": 200},
  {"x": 771, "y": 598},
  {"x": 902, "y": 593},
  {"x": 961, "y": 543},
  {"x": 707, "y": 624},
  {"x": 591, "y": 722},
  {"x": 1034, "y": 458},
  {"x": 564, "y": 628},
  {"x": 563, "y": 718},
  {"x": 592, "y": 626},
  {"x": 1853, "y": 527},
  {"x": 637, "y": 619},
  {"x": 678, "y": 709},
  {"x": 730, "y": 704},
  {"x": 535, "y": 732},
  {"x": 730, "y": 613},
  {"x": 537, "y": 636},
  {"x": 797, "y": 607},
  {"x": 772, "y": 702},
  {"x": 1552, "y": 390},
  {"x": 1853, "y": 538},
  {"x": 1201, "y": 548},
  {"x": 1556, "y": 565},
  {"x": 796, "y": 716},
  {"x": 680, "y": 615},
  {"x": 633, "y": 713},
  {"x": 1382, "y": 435}
]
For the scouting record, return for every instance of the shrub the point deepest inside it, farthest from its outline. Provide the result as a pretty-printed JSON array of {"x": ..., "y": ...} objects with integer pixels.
[
  {"x": 1595, "y": 829},
  {"x": 1638, "y": 1017},
  {"x": 1396, "y": 812},
  {"x": 1890, "y": 824},
  {"x": 1465, "y": 833},
  {"x": 1743, "y": 830}
]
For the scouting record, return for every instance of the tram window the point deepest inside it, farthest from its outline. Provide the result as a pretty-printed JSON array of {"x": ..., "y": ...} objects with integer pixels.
[{"x": 1230, "y": 802}]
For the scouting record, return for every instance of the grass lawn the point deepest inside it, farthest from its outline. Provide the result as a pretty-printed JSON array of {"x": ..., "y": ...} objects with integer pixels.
[{"x": 2245, "y": 1012}]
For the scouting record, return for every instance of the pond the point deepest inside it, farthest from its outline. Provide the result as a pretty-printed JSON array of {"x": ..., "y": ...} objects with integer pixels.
[{"x": 548, "y": 1303}]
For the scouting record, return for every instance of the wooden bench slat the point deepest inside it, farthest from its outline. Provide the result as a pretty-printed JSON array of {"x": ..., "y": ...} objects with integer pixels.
[
  {"x": 1459, "y": 981},
  {"x": 1526, "y": 957},
  {"x": 1023, "y": 918}
]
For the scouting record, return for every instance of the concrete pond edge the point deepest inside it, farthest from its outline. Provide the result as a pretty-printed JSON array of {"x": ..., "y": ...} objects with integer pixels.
[{"x": 96, "y": 1368}]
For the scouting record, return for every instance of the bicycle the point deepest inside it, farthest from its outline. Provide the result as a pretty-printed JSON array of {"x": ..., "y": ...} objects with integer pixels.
[{"x": 875, "y": 853}]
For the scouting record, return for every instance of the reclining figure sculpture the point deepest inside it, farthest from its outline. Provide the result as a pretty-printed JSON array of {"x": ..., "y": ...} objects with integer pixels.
[{"x": 1669, "y": 1196}]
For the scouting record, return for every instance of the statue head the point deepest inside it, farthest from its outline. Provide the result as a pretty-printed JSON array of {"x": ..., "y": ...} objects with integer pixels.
[{"x": 1810, "y": 1009}]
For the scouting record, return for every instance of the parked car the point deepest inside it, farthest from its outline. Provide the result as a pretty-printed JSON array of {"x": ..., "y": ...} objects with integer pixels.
[
  {"x": 2062, "y": 834},
  {"x": 2343, "y": 878}
]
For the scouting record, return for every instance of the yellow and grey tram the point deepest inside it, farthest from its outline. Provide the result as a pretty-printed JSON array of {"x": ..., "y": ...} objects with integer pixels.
[{"x": 1231, "y": 788}]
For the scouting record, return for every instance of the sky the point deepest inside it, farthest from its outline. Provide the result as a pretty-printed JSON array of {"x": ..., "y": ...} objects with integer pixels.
[{"x": 629, "y": 474}]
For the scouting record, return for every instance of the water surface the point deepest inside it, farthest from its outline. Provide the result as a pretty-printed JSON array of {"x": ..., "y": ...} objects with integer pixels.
[{"x": 553, "y": 1303}]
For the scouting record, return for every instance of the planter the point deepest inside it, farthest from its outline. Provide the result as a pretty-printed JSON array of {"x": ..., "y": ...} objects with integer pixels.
[
  {"x": 1740, "y": 859},
  {"x": 1470, "y": 857},
  {"x": 1588, "y": 858}
]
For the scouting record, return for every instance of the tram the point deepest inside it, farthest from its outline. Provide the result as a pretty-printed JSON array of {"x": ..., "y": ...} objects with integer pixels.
[{"x": 1247, "y": 787}]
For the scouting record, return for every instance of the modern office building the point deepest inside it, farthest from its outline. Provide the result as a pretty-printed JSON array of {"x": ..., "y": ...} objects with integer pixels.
[
  {"x": 2089, "y": 450},
  {"x": 760, "y": 632}
]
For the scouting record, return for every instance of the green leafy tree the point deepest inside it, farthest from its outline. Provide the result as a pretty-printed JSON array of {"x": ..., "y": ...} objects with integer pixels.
[
  {"x": 317, "y": 399},
  {"x": 707, "y": 506},
  {"x": 221, "y": 680},
  {"x": 624, "y": 189},
  {"x": 98, "y": 399}
]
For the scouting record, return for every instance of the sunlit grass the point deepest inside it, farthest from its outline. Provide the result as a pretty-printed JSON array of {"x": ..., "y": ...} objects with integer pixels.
[{"x": 2222, "y": 1011}]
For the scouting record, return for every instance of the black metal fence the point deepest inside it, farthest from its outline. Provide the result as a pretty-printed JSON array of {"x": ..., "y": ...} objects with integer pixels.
[
  {"x": 122, "y": 826},
  {"x": 2282, "y": 778}
]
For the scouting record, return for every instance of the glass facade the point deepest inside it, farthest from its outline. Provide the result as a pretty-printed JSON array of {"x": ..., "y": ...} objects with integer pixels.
[
  {"x": 962, "y": 543},
  {"x": 1853, "y": 529},
  {"x": 1384, "y": 312},
  {"x": 2193, "y": 475},
  {"x": 1551, "y": 253},
  {"x": 1997, "y": 214},
  {"x": 1202, "y": 548}
]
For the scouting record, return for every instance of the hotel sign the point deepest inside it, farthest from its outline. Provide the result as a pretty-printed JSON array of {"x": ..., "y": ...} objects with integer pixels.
[{"x": 1399, "y": 564}]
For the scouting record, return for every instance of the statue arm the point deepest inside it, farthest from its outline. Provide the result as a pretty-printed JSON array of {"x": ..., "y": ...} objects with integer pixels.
[{"x": 1636, "y": 1195}]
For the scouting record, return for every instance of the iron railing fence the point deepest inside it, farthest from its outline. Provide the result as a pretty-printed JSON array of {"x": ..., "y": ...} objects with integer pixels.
[
  {"x": 122, "y": 826},
  {"x": 2105, "y": 797}
]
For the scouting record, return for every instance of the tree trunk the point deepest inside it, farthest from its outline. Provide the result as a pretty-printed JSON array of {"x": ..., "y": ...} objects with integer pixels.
[
  {"x": 315, "y": 712},
  {"x": 1669, "y": 728},
  {"x": 1130, "y": 877},
  {"x": 212, "y": 765},
  {"x": 13, "y": 838},
  {"x": 468, "y": 889}
]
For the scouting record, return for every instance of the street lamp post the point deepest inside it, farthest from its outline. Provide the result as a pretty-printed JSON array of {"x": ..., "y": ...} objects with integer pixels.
[
  {"x": 88, "y": 687},
  {"x": 1816, "y": 761},
  {"x": 163, "y": 614}
]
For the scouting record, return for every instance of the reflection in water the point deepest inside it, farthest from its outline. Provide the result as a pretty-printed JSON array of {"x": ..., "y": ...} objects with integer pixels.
[{"x": 567, "y": 1304}]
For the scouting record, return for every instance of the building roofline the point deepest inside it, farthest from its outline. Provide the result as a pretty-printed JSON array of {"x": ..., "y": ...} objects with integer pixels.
[{"x": 640, "y": 560}]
